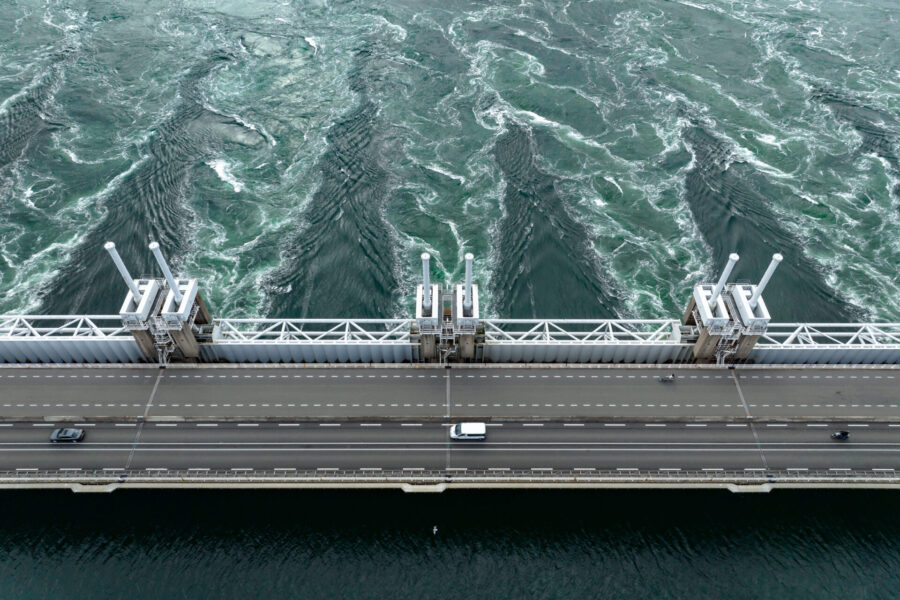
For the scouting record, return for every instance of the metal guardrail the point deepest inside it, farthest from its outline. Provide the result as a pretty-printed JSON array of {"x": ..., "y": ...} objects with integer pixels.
[
  {"x": 104, "y": 339},
  {"x": 62, "y": 326},
  {"x": 444, "y": 476},
  {"x": 831, "y": 334},
  {"x": 364, "y": 331},
  {"x": 498, "y": 331}
]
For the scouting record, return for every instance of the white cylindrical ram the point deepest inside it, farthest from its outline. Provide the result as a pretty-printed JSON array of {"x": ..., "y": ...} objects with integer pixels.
[
  {"x": 726, "y": 273},
  {"x": 154, "y": 248},
  {"x": 754, "y": 299},
  {"x": 426, "y": 284},
  {"x": 467, "y": 300},
  {"x": 111, "y": 248}
]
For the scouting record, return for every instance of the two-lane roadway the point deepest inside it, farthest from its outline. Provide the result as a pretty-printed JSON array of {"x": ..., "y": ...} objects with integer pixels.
[
  {"x": 424, "y": 445},
  {"x": 426, "y": 392}
]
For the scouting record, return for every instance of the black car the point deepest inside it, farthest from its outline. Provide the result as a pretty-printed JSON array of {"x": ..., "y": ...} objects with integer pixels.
[
  {"x": 67, "y": 435},
  {"x": 840, "y": 435}
]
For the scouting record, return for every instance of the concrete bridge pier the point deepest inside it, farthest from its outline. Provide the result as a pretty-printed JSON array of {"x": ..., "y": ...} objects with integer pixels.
[
  {"x": 137, "y": 309},
  {"x": 752, "y": 310},
  {"x": 467, "y": 313},
  {"x": 708, "y": 311},
  {"x": 427, "y": 313}
]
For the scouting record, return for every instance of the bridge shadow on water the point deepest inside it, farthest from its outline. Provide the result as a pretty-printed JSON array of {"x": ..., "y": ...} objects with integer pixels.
[{"x": 538, "y": 544}]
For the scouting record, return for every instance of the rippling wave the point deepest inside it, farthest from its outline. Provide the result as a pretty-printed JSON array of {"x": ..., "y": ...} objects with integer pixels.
[
  {"x": 342, "y": 251},
  {"x": 539, "y": 242},
  {"x": 597, "y": 158},
  {"x": 234, "y": 544}
]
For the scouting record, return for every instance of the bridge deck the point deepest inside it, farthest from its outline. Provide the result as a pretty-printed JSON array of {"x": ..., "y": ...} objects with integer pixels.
[
  {"x": 435, "y": 393},
  {"x": 393, "y": 446}
]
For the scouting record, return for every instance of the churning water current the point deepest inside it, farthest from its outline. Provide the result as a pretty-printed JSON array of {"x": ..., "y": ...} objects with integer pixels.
[{"x": 598, "y": 158}]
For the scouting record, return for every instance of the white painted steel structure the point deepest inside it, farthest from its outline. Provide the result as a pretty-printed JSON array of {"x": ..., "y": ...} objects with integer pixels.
[
  {"x": 66, "y": 339},
  {"x": 311, "y": 340},
  {"x": 584, "y": 341},
  {"x": 104, "y": 339},
  {"x": 828, "y": 343}
]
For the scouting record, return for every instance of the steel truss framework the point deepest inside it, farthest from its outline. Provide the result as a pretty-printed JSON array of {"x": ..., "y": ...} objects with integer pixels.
[
  {"x": 366, "y": 331},
  {"x": 103, "y": 338},
  {"x": 581, "y": 331}
]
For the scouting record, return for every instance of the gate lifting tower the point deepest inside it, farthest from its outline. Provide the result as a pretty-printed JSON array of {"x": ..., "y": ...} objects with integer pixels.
[
  {"x": 730, "y": 317},
  {"x": 166, "y": 316},
  {"x": 447, "y": 325}
]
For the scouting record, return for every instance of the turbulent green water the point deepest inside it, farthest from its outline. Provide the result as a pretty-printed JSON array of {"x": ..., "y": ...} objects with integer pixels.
[{"x": 597, "y": 157}]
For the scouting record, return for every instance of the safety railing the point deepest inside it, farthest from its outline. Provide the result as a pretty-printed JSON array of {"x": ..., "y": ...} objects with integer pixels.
[
  {"x": 313, "y": 330},
  {"x": 581, "y": 330},
  {"x": 62, "y": 326},
  {"x": 748, "y": 477},
  {"x": 831, "y": 334}
]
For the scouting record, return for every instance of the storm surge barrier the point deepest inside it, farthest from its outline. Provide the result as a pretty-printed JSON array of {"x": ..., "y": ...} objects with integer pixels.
[{"x": 165, "y": 320}]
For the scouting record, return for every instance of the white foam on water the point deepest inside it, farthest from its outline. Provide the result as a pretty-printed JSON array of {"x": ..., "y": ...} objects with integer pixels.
[
  {"x": 446, "y": 173},
  {"x": 223, "y": 170}
]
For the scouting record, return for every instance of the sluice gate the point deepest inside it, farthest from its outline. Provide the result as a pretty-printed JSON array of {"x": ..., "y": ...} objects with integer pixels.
[{"x": 165, "y": 319}]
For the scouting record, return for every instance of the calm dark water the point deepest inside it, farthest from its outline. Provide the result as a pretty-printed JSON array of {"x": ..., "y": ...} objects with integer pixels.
[{"x": 313, "y": 545}]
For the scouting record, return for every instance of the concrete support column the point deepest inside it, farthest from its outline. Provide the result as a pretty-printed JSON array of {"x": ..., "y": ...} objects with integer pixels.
[
  {"x": 186, "y": 342},
  {"x": 705, "y": 346},
  {"x": 467, "y": 346},
  {"x": 145, "y": 342},
  {"x": 688, "y": 317},
  {"x": 745, "y": 346},
  {"x": 429, "y": 347},
  {"x": 203, "y": 316}
]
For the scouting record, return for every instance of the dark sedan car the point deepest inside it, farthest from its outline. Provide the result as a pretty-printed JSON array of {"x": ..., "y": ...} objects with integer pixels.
[{"x": 67, "y": 435}]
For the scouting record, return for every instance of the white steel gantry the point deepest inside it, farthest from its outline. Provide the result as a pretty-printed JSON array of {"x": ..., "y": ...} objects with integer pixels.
[{"x": 165, "y": 319}]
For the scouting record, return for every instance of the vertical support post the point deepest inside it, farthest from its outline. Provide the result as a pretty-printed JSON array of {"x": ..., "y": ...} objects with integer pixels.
[
  {"x": 732, "y": 259},
  {"x": 467, "y": 302},
  {"x": 154, "y": 247},
  {"x": 754, "y": 299},
  {"x": 123, "y": 270},
  {"x": 426, "y": 284}
]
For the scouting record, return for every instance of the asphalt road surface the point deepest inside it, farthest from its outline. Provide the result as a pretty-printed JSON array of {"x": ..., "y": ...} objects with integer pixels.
[
  {"x": 433, "y": 393},
  {"x": 391, "y": 445}
]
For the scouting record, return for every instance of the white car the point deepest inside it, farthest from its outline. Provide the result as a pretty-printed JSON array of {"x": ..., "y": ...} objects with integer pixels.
[{"x": 468, "y": 431}]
